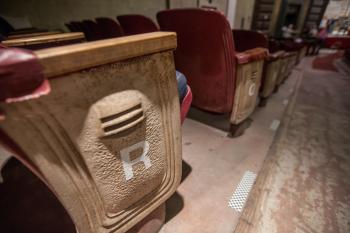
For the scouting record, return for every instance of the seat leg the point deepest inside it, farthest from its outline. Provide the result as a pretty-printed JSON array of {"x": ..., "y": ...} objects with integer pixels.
[
  {"x": 276, "y": 89},
  {"x": 263, "y": 101},
  {"x": 237, "y": 130}
]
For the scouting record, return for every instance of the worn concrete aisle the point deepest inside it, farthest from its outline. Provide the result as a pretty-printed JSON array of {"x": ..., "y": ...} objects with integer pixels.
[
  {"x": 304, "y": 184},
  {"x": 214, "y": 165}
]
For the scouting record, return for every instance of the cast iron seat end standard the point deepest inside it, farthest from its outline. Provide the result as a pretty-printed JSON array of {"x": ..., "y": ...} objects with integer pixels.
[
  {"x": 136, "y": 24},
  {"x": 288, "y": 59},
  {"x": 246, "y": 39},
  {"x": 222, "y": 81},
  {"x": 102, "y": 133}
]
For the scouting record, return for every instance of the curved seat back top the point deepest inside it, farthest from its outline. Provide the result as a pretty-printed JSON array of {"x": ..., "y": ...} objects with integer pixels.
[
  {"x": 205, "y": 55},
  {"x": 106, "y": 119},
  {"x": 109, "y": 28},
  {"x": 46, "y": 41},
  {"x": 93, "y": 31},
  {"x": 136, "y": 24}
]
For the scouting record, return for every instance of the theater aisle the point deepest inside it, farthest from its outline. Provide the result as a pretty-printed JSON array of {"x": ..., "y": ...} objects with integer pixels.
[
  {"x": 214, "y": 165},
  {"x": 304, "y": 184}
]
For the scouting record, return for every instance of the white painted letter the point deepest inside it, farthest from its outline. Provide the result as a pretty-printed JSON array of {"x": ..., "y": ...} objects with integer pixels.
[{"x": 128, "y": 163}]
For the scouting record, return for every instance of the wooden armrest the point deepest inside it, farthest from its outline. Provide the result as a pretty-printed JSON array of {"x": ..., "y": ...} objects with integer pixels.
[
  {"x": 251, "y": 55},
  {"x": 34, "y": 40},
  {"x": 65, "y": 59}
]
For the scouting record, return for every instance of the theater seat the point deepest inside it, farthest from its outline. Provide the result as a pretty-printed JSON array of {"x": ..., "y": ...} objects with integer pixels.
[
  {"x": 92, "y": 30},
  {"x": 288, "y": 59},
  {"x": 222, "y": 80},
  {"x": 295, "y": 46},
  {"x": 109, "y": 28},
  {"x": 245, "y": 40},
  {"x": 99, "y": 123},
  {"x": 136, "y": 24}
]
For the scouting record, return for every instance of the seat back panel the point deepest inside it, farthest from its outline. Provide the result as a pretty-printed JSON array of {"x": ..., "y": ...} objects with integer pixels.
[{"x": 205, "y": 55}]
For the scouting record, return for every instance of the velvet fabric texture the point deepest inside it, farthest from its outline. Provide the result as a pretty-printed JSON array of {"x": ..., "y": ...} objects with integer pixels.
[{"x": 205, "y": 55}]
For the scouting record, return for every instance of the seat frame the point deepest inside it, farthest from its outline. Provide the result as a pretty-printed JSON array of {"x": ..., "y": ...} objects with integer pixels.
[{"x": 63, "y": 136}]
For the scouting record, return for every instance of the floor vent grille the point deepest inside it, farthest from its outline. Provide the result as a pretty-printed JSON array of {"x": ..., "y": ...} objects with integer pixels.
[{"x": 241, "y": 193}]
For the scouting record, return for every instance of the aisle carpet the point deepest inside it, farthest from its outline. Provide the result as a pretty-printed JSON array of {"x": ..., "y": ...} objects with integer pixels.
[
  {"x": 327, "y": 62},
  {"x": 304, "y": 185}
]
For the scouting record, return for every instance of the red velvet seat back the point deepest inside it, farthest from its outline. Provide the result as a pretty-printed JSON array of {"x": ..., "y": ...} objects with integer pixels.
[
  {"x": 205, "y": 55},
  {"x": 91, "y": 30},
  {"x": 245, "y": 40},
  {"x": 109, "y": 28},
  {"x": 136, "y": 24}
]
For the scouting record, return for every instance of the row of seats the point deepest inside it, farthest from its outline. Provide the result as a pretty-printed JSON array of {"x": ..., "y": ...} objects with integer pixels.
[
  {"x": 93, "y": 107},
  {"x": 244, "y": 67},
  {"x": 104, "y": 28}
]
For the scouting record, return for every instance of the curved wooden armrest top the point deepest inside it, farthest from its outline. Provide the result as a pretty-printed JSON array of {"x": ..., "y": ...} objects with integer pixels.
[
  {"x": 251, "y": 55},
  {"x": 65, "y": 59}
]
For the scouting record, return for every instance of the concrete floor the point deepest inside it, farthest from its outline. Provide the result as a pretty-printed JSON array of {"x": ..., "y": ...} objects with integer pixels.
[
  {"x": 304, "y": 183},
  {"x": 214, "y": 165}
]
